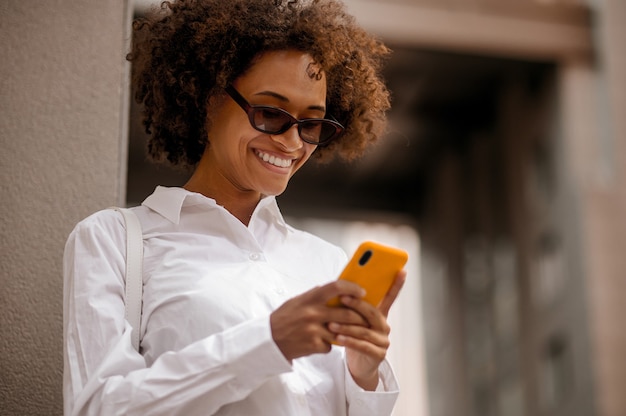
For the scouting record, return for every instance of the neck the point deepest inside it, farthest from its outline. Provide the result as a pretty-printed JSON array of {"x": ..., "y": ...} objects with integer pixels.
[{"x": 240, "y": 203}]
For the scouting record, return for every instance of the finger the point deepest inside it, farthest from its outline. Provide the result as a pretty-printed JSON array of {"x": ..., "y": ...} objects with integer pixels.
[
  {"x": 329, "y": 337},
  {"x": 366, "y": 348},
  {"x": 344, "y": 315},
  {"x": 372, "y": 315},
  {"x": 335, "y": 289},
  {"x": 392, "y": 293},
  {"x": 375, "y": 337}
]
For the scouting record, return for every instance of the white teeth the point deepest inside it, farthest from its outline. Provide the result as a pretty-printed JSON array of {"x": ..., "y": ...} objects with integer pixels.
[{"x": 273, "y": 160}]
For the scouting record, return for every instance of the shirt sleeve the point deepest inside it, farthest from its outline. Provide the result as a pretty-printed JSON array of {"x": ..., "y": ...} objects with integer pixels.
[
  {"x": 104, "y": 375},
  {"x": 372, "y": 403}
]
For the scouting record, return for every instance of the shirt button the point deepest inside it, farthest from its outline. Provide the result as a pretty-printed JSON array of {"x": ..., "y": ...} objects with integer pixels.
[
  {"x": 280, "y": 290},
  {"x": 255, "y": 256}
]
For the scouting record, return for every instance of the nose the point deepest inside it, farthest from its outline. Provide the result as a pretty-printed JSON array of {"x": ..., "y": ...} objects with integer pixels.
[{"x": 290, "y": 140}]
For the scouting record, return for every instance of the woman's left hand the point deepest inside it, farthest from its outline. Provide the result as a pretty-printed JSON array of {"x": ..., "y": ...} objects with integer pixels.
[{"x": 366, "y": 347}]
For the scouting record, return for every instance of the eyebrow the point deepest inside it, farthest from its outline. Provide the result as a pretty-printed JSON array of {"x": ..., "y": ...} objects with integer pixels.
[{"x": 286, "y": 100}]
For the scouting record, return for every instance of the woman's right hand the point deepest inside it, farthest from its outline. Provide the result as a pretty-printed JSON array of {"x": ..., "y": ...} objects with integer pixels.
[{"x": 300, "y": 325}]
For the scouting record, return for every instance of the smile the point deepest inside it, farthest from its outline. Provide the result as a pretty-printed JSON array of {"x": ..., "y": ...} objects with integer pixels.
[{"x": 273, "y": 160}]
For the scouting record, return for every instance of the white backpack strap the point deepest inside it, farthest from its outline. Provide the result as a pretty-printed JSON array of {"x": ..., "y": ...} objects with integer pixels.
[{"x": 134, "y": 272}]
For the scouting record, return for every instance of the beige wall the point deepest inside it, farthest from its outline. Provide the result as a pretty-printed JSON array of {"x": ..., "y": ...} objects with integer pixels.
[{"x": 61, "y": 77}]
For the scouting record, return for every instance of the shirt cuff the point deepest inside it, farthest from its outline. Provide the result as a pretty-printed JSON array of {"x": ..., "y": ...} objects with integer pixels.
[{"x": 375, "y": 403}]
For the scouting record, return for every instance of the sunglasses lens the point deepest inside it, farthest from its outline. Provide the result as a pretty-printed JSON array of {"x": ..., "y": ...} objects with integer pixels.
[
  {"x": 274, "y": 121},
  {"x": 311, "y": 130},
  {"x": 318, "y": 131},
  {"x": 270, "y": 120},
  {"x": 328, "y": 131}
]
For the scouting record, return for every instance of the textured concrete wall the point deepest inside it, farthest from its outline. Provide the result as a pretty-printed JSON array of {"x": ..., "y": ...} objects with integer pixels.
[{"x": 62, "y": 74}]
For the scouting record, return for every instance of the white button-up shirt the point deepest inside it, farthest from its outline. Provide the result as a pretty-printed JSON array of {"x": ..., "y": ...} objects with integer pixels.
[{"x": 210, "y": 285}]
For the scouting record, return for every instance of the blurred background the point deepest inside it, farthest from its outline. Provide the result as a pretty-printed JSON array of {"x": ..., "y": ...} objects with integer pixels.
[{"x": 501, "y": 174}]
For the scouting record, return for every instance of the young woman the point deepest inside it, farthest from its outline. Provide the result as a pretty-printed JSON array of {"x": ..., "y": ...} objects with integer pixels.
[{"x": 235, "y": 318}]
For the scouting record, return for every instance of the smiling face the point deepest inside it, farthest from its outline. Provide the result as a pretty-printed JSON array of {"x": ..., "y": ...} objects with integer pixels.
[{"x": 239, "y": 158}]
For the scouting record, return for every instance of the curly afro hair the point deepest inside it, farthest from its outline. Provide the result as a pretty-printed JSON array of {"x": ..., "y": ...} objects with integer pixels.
[{"x": 189, "y": 50}]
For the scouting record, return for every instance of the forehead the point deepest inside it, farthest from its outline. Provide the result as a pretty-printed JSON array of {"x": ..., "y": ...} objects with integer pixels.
[{"x": 288, "y": 72}]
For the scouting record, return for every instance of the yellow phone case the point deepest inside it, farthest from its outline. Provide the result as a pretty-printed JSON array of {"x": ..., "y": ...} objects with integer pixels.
[{"x": 374, "y": 267}]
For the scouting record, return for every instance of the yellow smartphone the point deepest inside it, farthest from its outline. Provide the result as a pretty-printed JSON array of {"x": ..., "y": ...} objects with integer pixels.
[{"x": 373, "y": 266}]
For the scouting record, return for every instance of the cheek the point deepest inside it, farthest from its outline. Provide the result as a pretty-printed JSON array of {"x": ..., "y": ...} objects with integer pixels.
[
  {"x": 307, "y": 155},
  {"x": 310, "y": 149},
  {"x": 223, "y": 118},
  {"x": 230, "y": 139}
]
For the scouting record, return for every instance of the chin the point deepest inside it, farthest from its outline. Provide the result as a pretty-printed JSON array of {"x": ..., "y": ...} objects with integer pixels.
[{"x": 274, "y": 191}]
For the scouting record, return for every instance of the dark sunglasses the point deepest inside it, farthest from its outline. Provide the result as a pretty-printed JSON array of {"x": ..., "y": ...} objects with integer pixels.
[{"x": 274, "y": 120}]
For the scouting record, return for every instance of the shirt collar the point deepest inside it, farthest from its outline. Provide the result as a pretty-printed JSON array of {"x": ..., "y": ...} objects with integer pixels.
[
  {"x": 267, "y": 208},
  {"x": 169, "y": 203}
]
